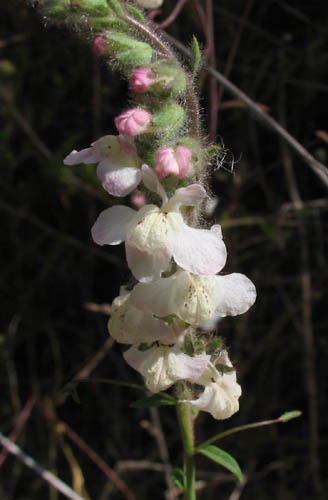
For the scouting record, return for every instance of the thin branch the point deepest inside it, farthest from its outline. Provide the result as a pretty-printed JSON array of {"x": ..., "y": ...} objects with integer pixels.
[
  {"x": 67, "y": 240},
  {"x": 89, "y": 452},
  {"x": 234, "y": 48},
  {"x": 175, "y": 12},
  {"x": 44, "y": 473},
  {"x": 21, "y": 421},
  {"x": 318, "y": 168}
]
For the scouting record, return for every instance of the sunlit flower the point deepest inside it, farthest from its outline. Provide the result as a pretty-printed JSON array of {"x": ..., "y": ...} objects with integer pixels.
[
  {"x": 118, "y": 166},
  {"x": 154, "y": 235},
  {"x": 129, "y": 325},
  {"x": 222, "y": 392},
  {"x": 196, "y": 299},
  {"x": 163, "y": 365}
]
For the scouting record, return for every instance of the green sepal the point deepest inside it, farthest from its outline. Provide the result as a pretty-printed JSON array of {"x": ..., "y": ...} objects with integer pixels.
[
  {"x": 160, "y": 399},
  {"x": 116, "y": 6},
  {"x": 289, "y": 415},
  {"x": 214, "y": 345},
  {"x": 62, "y": 8},
  {"x": 128, "y": 51},
  {"x": 169, "y": 118},
  {"x": 221, "y": 457},
  {"x": 93, "y": 7},
  {"x": 171, "y": 78},
  {"x": 197, "y": 56},
  {"x": 178, "y": 478},
  {"x": 103, "y": 23},
  {"x": 135, "y": 13}
]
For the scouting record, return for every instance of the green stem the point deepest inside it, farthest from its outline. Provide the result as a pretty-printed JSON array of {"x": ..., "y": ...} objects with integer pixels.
[{"x": 187, "y": 434}]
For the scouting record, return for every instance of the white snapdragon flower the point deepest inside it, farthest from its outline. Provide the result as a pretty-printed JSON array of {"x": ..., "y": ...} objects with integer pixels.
[
  {"x": 196, "y": 299},
  {"x": 222, "y": 392},
  {"x": 129, "y": 325},
  {"x": 154, "y": 235},
  {"x": 118, "y": 164},
  {"x": 163, "y": 365}
]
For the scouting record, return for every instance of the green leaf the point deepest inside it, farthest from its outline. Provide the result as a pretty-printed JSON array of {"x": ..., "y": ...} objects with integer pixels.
[
  {"x": 197, "y": 56},
  {"x": 178, "y": 478},
  {"x": 221, "y": 457},
  {"x": 289, "y": 415},
  {"x": 160, "y": 399}
]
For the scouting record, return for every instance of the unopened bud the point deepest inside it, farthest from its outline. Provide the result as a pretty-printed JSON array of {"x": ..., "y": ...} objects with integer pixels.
[
  {"x": 142, "y": 79},
  {"x": 133, "y": 122},
  {"x": 100, "y": 45},
  {"x": 138, "y": 199},
  {"x": 173, "y": 162}
]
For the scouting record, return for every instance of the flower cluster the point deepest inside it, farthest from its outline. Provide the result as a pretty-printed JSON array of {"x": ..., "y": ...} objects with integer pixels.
[{"x": 168, "y": 316}]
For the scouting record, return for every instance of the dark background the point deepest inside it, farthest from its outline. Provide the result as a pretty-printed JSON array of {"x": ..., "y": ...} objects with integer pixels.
[{"x": 56, "y": 96}]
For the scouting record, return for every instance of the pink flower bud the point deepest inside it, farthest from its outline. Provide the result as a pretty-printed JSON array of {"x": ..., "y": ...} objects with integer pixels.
[
  {"x": 141, "y": 80},
  {"x": 138, "y": 199},
  {"x": 133, "y": 122},
  {"x": 173, "y": 162},
  {"x": 100, "y": 45}
]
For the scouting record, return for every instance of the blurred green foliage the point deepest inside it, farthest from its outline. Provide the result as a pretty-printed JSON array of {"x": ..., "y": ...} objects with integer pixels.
[{"x": 56, "y": 96}]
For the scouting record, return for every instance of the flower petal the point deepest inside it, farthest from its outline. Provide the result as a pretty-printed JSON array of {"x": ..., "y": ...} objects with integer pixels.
[
  {"x": 162, "y": 366},
  {"x": 221, "y": 393},
  {"x": 220, "y": 399},
  {"x": 199, "y": 251},
  {"x": 190, "y": 196},
  {"x": 84, "y": 156},
  {"x": 129, "y": 325},
  {"x": 111, "y": 225},
  {"x": 146, "y": 267},
  {"x": 235, "y": 294},
  {"x": 152, "y": 183},
  {"x": 118, "y": 181}
]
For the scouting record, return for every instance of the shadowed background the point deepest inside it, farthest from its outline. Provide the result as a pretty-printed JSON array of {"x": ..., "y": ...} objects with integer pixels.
[{"x": 56, "y": 285}]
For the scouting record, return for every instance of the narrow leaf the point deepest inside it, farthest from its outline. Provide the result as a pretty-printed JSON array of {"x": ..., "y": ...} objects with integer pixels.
[
  {"x": 289, "y": 415},
  {"x": 221, "y": 457},
  {"x": 197, "y": 56},
  {"x": 178, "y": 478},
  {"x": 160, "y": 399}
]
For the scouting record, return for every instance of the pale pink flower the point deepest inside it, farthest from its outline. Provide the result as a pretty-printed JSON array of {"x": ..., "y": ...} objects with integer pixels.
[
  {"x": 100, "y": 45},
  {"x": 142, "y": 79},
  {"x": 222, "y": 392},
  {"x": 117, "y": 170},
  {"x": 194, "y": 298},
  {"x": 133, "y": 122},
  {"x": 138, "y": 199},
  {"x": 154, "y": 235},
  {"x": 173, "y": 162},
  {"x": 163, "y": 365}
]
